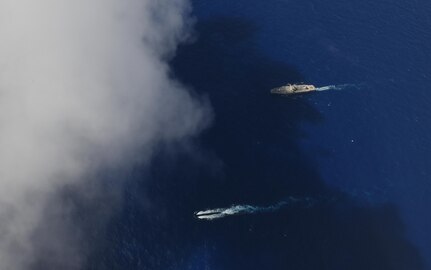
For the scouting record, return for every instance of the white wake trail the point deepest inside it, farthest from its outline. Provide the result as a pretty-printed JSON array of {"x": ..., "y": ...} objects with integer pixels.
[
  {"x": 337, "y": 87},
  {"x": 217, "y": 213}
]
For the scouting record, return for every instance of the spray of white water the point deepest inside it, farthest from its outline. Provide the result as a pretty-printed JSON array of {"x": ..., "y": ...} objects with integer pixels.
[
  {"x": 217, "y": 213},
  {"x": 336, "y": 87},
  {"x": 84, "y": 86}
]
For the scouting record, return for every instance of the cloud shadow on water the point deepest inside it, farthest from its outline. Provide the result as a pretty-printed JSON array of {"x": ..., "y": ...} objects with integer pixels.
[{"x": 251, "y": 155}]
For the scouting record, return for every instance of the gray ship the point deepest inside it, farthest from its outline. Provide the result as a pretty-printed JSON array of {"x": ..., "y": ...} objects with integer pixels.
[{"x": 292, "y": 89}]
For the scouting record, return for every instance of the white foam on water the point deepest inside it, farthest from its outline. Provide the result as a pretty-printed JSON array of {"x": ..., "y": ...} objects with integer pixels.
[
  {"x": 217, "y": 213},
  {"x": 336, "y": 87}
]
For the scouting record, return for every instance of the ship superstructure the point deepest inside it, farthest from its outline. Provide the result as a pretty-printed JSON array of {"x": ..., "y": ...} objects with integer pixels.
[{"x": 292, "y": 89}]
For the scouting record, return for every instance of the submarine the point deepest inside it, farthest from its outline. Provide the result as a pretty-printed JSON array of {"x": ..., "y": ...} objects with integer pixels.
[{"x": 292, "y": 89}]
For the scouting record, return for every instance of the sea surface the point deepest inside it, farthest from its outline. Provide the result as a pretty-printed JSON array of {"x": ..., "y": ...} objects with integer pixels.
[{"x": 361, "y": 155}]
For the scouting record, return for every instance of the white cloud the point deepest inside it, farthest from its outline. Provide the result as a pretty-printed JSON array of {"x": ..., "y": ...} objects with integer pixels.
[{"x": 83, "y": 86}]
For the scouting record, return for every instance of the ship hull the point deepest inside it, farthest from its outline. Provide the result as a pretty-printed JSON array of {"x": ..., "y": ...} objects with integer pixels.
[{"x": 293, "y": 89}]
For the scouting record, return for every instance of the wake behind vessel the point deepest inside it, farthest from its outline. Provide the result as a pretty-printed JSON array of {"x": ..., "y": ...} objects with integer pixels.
[{"x": 292, "y": 89}]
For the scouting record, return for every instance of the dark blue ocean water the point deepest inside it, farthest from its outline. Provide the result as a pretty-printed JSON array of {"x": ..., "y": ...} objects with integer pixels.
[{"x": 363, "y": 153}]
